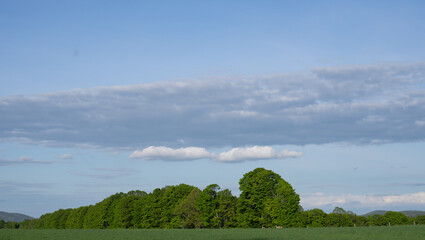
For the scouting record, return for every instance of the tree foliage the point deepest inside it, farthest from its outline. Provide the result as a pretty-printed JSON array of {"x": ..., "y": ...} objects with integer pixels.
[
  {"x": 266, "y": 200},
  {"x": 187, "y": 211}
]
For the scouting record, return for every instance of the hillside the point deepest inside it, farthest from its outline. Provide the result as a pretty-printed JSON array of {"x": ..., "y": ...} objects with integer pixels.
[
  {"x": 13, "y": 217},
  {"x": 408, "y": 213}
]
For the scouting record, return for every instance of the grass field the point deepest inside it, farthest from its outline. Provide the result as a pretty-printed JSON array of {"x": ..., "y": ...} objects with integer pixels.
[{"x": 375, "y": 233}]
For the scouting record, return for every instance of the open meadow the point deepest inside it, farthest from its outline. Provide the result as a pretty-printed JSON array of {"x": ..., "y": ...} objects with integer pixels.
[{"x": 346, "y": 233}]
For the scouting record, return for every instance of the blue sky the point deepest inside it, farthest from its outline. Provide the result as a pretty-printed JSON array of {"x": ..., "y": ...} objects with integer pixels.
[{"x": 99, "y": 97}]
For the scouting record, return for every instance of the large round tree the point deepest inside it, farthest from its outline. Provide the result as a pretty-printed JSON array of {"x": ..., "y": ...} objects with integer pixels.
[{"x": 266, "y": 200}]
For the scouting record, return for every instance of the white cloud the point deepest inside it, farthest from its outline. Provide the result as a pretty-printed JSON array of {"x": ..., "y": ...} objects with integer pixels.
[
  {"x": 254, "y": 153},
  {"x": 193, "y": 153},
  {"x": 170, "y": 154},
  {"x": 66, "y": 156},
  {"x": 318, "y": 200},
  {"x": 243, "y": 154}
]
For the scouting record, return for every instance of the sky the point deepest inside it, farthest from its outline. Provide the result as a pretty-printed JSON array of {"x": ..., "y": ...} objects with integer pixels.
[{"x": 100, "y": 97}]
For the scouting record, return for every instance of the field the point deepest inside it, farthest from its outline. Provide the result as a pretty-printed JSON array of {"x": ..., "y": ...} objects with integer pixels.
[{"x": 376, "y": 233}]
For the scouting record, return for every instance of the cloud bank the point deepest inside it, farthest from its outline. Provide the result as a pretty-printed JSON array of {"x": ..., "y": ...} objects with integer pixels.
[
  {"x": 194, "y": 153},
  {"x": 318, "y": 200},
  {"x": 354, "y": 104}
]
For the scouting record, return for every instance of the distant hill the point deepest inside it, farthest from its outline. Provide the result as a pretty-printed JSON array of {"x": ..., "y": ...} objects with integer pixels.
[
  {"x": 13, "y": 217},
  {"x": 409, "y": 213}
]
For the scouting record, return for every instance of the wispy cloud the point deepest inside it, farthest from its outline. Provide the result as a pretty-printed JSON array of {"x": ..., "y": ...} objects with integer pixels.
[
  {"x": 194, "y": 153},
  {"x": 65, "y": 156},
  {"x": 422, "y": 184},
  {"x": 320, "y": 199},
  {"x": 420, "y": 123},
  {"x": 23, "y": 187},
  {"x": 354, "y": 104},
  {"x": 22, "y": 160}
]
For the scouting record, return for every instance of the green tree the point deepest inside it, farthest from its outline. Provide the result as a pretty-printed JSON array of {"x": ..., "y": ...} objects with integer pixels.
[
  {"x": 420, "y": 219},
  {"x": 266, "y": 199},
  {"x": 167, "y": 203},
  {"x": 225, "y": 215},
  {"x": 338, "y": 210},
  {"x": 338, "y": 220},
  {"x": 55, "y": 220},
  {"x": 396, "y": 218},
  {"x": 188, "y": 212},
  {"x": 76, "y": 218},
  {"x": 207, "y": 204},
  {"x": 2, "y": 223},
  {"x": 112, "y": 211},
  {"x": 358, "y": 221},
  {"x": 95, "y": 217},
  {"x": 123, "y": 212},
  {"x": 62, "y": 218},
  {"x": 137, "y": 193},
  {"x": 377, "y": 220},
  {"x": 40, "y": 221},
  {"x": 156, "y": 210},
  {"x": 312, "y": 218},
  {"x": 11, "y": 225},
  {"x": 144, "y": 215},
  {"x": 28, "y": 224},
  {"x": 101, "y": 215}
]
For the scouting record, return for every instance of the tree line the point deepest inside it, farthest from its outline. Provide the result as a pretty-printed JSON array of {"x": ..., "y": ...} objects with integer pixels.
[{"x": 266, "y": 200}]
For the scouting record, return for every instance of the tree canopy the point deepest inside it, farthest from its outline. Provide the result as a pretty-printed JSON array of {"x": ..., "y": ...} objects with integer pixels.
[{"x": 266, "y": 200}]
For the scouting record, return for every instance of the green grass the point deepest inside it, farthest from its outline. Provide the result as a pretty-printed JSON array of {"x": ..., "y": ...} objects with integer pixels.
[{"x": 375, "y": 233}]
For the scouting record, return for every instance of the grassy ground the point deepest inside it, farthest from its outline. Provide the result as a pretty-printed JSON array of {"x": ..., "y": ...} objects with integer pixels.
[{"x": 376, "y": 233}]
